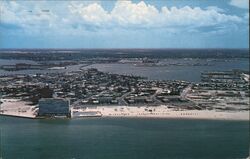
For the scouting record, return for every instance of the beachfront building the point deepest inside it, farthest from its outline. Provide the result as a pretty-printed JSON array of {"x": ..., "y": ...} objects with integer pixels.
[{"x": 53, "y": 107}]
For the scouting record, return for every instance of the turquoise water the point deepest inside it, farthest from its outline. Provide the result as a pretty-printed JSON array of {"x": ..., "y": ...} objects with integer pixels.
[{"x": 117, "y": 138}]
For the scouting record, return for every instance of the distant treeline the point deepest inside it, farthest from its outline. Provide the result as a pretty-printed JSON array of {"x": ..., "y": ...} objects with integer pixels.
[{"x": 80, "y": 54}]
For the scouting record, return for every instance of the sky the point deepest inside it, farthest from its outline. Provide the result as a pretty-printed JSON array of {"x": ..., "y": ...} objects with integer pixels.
[{"x": 124, "y": 24}]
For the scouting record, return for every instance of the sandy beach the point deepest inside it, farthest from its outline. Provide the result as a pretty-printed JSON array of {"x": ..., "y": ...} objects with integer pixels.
[
  {"x": 16, "y": 107},
  {"x": 164, "y": 112}
]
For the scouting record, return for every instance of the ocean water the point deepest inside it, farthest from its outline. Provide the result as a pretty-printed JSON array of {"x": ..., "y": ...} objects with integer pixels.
[{"x": 121, "y": 138}]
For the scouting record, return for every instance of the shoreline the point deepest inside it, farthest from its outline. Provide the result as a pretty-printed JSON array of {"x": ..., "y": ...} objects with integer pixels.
[
  {"x": 128, "y": 117},
  {"x": 18, "y": 116},
  {"x": 172, "y": 118},
  {"x": 166, "y": 117}
]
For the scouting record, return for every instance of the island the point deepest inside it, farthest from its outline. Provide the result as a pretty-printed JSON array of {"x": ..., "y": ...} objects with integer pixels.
[{"x": 222, "y": 95}]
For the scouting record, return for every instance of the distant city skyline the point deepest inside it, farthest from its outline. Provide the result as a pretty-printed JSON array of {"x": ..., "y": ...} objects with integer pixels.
[{"x": 125, "y": 24}]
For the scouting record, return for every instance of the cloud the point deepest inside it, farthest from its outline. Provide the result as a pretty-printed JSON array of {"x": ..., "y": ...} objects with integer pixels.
[
  {"x": 240, "y": 3},
  {"x": 247, "y": 16},
  {"x": 196, "y": 17},
  {"x": 217, "y": 9},
  {"x": 93, "y": 13},
  {"x": 80, "y": 17},
  {"x": 16, "y": 14},
  {"x": 127, "y": 14}
]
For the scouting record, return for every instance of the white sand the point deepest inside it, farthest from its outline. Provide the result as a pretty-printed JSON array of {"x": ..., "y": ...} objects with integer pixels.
[
  {"x": 16, "y": 107},
  {"x": 164, "y": 112}
]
